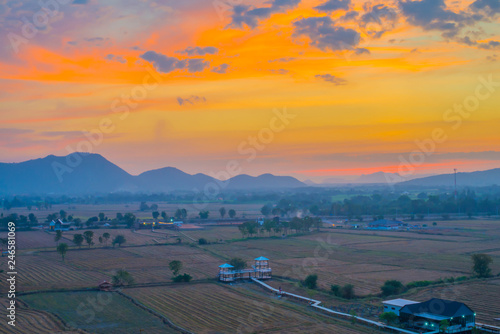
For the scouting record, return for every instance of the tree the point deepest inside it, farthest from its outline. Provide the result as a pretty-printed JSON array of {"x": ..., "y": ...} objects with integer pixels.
[
  {"x": 388, "y": 317},
  {"x": 347, "y": 291},
  {"x": 266, "y": 210},
  {"x": 32, "y": 219},
  {"x": 164, "y": 215},
  {"x": 119, "y": 216},
  {"x": 119, "y": 239},
  {"x": 122, "y": 277},
  {"x": 184, "y": 213},
  {"x": 100, "y": 240},
  {"x": 153, "y": 207},
  {"x": 78, "y": 240},
  {"x": 203, "y": 214},
  {"x": 231, "y": 213},
  {"x": 63, "y": 214},
  {"x": 175, "y": 266},
  {"x": 182, "y": 278},
  {"x": 62, "y": 248},
  {"x": 311, "y": 281},
  {"x": 481, "y": 265},
  {"x": 202, "y": 241},
  {"x": 155, "y": 214},
  {"x": 129, "y": 219},
  {"x": 106, "y": 236},
  {"x": 178, "y": 214},
  {"x": 392, "y": 287},
  {"x": 89, "y": 237},
  {"x": 58, "y": 236},
  {"x": 238, "y": 263},
  {"x": 222, "y": 212},
  {"x": 143, "y": 206},
  {"x": 101, "y": 216}
]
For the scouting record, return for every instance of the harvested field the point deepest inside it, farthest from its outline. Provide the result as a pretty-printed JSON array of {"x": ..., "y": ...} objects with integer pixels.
[
  {"x": 212, "y": 308},
  {"x": 98, "y": 312}
]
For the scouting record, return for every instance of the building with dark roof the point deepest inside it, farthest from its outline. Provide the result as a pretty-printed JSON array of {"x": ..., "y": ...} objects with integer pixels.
[{"x": 431, "y": 314}]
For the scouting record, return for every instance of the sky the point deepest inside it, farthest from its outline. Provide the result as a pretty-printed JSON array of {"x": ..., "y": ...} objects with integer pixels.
[{"x": 314, "y": 89}]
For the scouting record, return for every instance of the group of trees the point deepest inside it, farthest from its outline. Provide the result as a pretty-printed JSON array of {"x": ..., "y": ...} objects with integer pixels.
[
  {"x": 272, "y": 226},
  {"x": 176, "y": 266},
  {"x": 381, "y": 203},
  {"x": 88, "y": 237},
  {"x": 231, "y": 213}
]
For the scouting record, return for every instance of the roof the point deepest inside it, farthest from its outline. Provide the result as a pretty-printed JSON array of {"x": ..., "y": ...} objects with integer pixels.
[
  {"x": 438, "y": 307},
  {"x": 399, "y": 302},
  {"x": 261, "y": 258},
  {"x": 225, "y": 265}
]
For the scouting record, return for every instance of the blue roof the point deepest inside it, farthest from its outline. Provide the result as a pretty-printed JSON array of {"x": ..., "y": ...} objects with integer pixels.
[
  {"x": 261, "y": 259},
  {"x": 225, "y": 265}
]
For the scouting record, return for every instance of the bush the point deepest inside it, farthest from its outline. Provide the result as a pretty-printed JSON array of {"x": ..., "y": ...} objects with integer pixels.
[
  {"x": 311, "y": 281},
  {"x": 346, "y": 292},
  {"x": 202, "y": 241},
  {"x": 182, "y": 278},
  {"x": 388, "y": 317},
  {"x": 238, "y": 263},
  {"x": 392, "y": 287}
]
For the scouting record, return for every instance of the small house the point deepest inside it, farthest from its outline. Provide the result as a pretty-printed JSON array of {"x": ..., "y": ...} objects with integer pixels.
[
  {"x": 431, "y": 314},
  {"x": 59, "y": 225},
  {"x": 226, "y": 273},
  {"x": 395, "y": 305}
]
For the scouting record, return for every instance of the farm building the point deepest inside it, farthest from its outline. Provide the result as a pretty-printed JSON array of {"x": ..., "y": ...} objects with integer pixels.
[
  {"x": 260, "y": 270},
  {"x": 385, "y": 224},
  {"x": 431, "y": 314},
  {"x": 396, "y": 304},
  {"x": 59, "y": 225}
]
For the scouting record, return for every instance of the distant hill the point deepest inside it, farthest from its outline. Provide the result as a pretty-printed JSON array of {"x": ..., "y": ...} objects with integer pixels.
[
  {"x": 472, "y": 179},
  {"x": 85, "y": 173}
]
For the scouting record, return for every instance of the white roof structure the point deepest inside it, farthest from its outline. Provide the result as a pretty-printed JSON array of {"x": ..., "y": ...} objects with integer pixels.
[
  {"x": 261, "y": 259},
  {"x": 399, "y": 302}
]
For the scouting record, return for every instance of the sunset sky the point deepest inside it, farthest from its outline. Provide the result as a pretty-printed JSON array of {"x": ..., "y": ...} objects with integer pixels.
[{"x": 186, "y": 83}]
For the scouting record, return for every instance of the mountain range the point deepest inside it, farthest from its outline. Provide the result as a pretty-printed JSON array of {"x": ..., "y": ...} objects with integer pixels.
[{"x": 87, "y": 173}]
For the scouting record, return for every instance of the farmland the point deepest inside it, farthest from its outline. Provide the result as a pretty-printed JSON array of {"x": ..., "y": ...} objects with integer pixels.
[
  {"x": 98, "y": 312},
  {"x": 338, "y": 256}
]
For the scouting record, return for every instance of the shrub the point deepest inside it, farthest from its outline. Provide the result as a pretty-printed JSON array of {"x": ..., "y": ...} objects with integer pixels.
[
  {"x": 182, "y": 278},
  {"x": 202, "y": 241},
  {"x": 311, "y": 281},
  {"x": 392, "y": 287},
  {"x": 388, "y": 317}
]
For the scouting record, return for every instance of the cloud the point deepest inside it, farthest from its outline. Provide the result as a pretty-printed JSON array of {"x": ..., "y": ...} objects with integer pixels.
[
  {"x": 282, "y": 60},
  {"x": 325, "y": 35},
  {"x": 332, "y": 79},
  {"x": 490, "y": 7},
  {"x": 191, "y": 100},
  {"x": 489, "y": 45},
  {"x": 434, "y": 15},
  {"x": 333, "y": 5},
  {"x": 167, "y": 64},
  {"x": 279, "y": 71},
  {"x": 360, "y": 51},
  {"x": 250, "y": 15},
  {"x": 351, "y": 15},
  {"x": 112, "y": 57},
  {"x": 222, "y": 68},
  {"x": 198, "y": 51},
  {"x": 379, "y": 19},
  {"x": 80, "y": 2}
]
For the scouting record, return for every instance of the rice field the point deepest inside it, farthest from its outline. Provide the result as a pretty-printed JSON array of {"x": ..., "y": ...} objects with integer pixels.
[
  {"x": 213, "y": 308},
  {"x": 98, "y": 312}
]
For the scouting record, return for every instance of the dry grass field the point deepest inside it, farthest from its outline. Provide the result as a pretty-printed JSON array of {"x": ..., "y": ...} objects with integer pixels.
[
  {"x": 213, "y": 308},
  {"x": 339, "y": 256}
]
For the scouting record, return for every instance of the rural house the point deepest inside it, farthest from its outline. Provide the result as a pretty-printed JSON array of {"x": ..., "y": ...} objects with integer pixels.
[
  {"x": 396, "y": 304},
  {"x": 431, "y": 314}
]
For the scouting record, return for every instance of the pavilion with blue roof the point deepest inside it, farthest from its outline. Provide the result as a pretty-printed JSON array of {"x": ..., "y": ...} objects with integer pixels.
[{"x": 259, "y": 270}]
